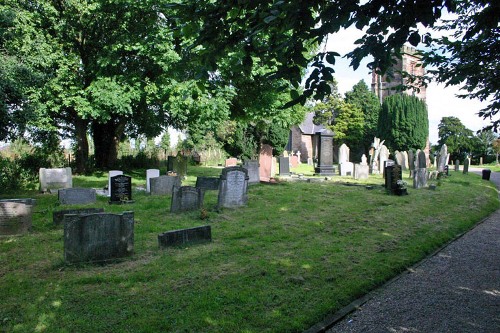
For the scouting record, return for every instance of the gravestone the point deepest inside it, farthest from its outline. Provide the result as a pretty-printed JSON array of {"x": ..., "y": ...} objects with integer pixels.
[
  {"x": 364, "y": 160},
  {"x": 386, "y": 164},
  {"x": 76, "y": 196},
  {"x": 121, "y": 189},
  {"x": 177, "y": 164},
  {"x": 112, "y": 173},
  {"x": 457, "y": 165},
  {"x": 346, "y": 169},
  {"x": 16, "y": 216},
  {"x": 411, "y": 162},
  {"x": 400, "y": 159},
  {"x": 393, "y": 174},
  {"x": 343, "y": 153},
  {"x": 422, "y": 160},
  {"x": 231, "y": 162},
  {"x": 294, "y": 161},
  {"x": 58, "y": 216},
  {"x": 298, "y": 157},
  {"x": 233, "y": 187},
  {"x": 98, "y": 237},
  {"x": 151, "y": 173},
  {"x": 284, "y": 163},
  {"x": 481, "y": 161},
  {"x": 325, "y": 153},
  {"x": 265, "y": 162},
  {"x": 207, "y": 183},
  {"x": 252, "y": 167},
  {"x": 420, "y": 176},
  {"x": 54, "y": 179},
  {"x": 361, "y": 171},
  {"x": 186, "y": 198},
  {"x": 442, "y": 159},
  {"x": 466, "y": 165},
  {"x": 163, "y": 185},
  {"x": 406, "y": 165},
  {"x": 382, "y": 157},
  {"x": 181, "y": 237}
]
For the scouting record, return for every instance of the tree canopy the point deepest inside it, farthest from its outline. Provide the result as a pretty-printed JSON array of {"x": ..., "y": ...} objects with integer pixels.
[{"x": 456, "y": 136}]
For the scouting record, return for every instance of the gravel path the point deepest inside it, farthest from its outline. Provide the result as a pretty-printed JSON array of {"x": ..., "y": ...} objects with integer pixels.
[{"x": 456, "y": 290}]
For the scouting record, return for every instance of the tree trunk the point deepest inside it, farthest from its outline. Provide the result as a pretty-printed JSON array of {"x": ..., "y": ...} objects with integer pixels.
[
  {"x": 82, "y": 145},
  {"x": 106, "y": 139}
]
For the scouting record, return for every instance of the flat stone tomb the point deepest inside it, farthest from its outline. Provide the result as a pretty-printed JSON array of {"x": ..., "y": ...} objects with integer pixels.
[
  {"x": 208, "y": 183},
  {"x": 252, "y": 167},
  {"x": 186, "y": 198},
  {"x": 233, "y": 187},
  {"x": 58, "y": 216},
  {"x": 151, "y": 173},
  {"x": 16, "y": 216},
  {"x": 163, "y": 185},
  {"x": 76, "y": 196},
  {"x": 54, "y": 179},
  {"x": 121, "y": 189},
  {"x": 194, "y": 235},
  {"x": 98, "y": 237}
]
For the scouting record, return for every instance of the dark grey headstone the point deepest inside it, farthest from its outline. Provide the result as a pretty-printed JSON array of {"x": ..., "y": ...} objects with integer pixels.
[
  {"x": 98, "y": 237},
  {"x": 58, "y": 216},
  {"x": 393, "y": 173},
  {"x": 209, "y": 183},
  {"x": 164, "y": 184},
  {"x": 233, "y": 187},
  {"x": 284, "y": 164},
  {"x": 420, "y": 177},
  {"x": 387, "y": 163},
  {"x": 16, "y": 216},
  {"x": 325, "y": 154},
  {"x": 76, "y": 196},
  {"x": 121, "y": 189},
  {"x": 466, "y": 166},
  {"x": 252, "y": 167},
  {"x": 186, "y": 198},
  {"x": 185, "y": 236},
  {"x": 422, "y": 160}
]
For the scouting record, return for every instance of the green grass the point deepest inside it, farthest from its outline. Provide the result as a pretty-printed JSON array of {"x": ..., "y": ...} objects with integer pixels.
[{"x": 296, "y": 253}]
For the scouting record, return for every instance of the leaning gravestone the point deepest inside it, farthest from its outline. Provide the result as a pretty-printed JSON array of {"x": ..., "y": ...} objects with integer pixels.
[
  {"x": 98, "y": 237},
  {"x": 16, "y": 216},
  {"x": 233, "y": 187},
  {"x": 151, "y": 173},
  {"x": 252, "y": 167},
  {"x": 265, "y": 162},
  {"x": 207, "y": 183},
  {"x": 186, "y": 198},
  {"x": 76, "y": 196},
  {"x": 163, "y": 185},
  {"x": 194, "y": 235},
  {"x": 54, "y": 179},
  {"x": 58, "y": 216},
  {"x": 121, "y": 189},
  {"x": 112, "y": 173},
  {"x": 284, "y": 165},
  {"x": 466, "y": 165},
  {"x": 325, "y": 153}
]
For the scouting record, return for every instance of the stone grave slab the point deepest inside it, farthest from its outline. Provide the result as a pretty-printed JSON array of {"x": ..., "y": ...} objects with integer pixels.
[
  {"x": 186, "y": 198},
  {"x": 163, "y": 185},
  {"x": 181, "y": 237},
  {"x": 58, "y": 216},
  {"x": 233, "y": 187},
  {"x": 54, "y": 179},
  {"x": 98, "y": 237},
  {"x": 16, "y": 216},
  {"x": 252, "y": 167},
  {"x": 76, "y": 196}
]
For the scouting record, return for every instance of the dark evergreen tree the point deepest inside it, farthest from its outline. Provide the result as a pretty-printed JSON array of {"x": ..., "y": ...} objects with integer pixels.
[
  {"x": 403, "y": 122},
  {"x": 456, "y": 136}
]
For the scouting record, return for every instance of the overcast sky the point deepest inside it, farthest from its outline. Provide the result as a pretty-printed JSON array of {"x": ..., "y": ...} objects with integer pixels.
[{"x": 441, "y": 101}]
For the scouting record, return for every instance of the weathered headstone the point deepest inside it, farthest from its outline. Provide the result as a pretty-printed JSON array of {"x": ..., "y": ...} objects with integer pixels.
[
  {"x": 98, "y": 237},
  {"x": 194, "y": 235},
  {"x": 112, "y": 173},
  {"x": 346, "y": 169},
  {"x": 163, "y": 185},
  {"x": 420, "y": 177},
  {"x": 364, "y": 160},
  {"x": 265, "y": 162},
  {"x": 294, "y": 161},
  {"x": 58, "y": 216},
  {"x": 54, "y": 179},
  {"x": 121, "y": 189},
  {"x": 207, "y": 183},
  {"x": 76, "y": 196},
  {"x": 16, "y": 216},
  {"x": 325, "y": 153},
  {"x": 383, "y": 156},
  {"x": 422, "y": 160},
  {"x": 252, "y": 167},
  {"x": 442, "y": 158},
  {"x": 151, "y": 173},
  {"x": 393, "y": 174},
  {"x": 186, "y": 198},
  {"x": 457, "y": 165},
  {"x": 400, "y": 159},
  {"x": 466, "y": 165},
  {"x": 406, "y": 164},
  {"x": 232, "y": 161},
  {"x": 284, "y": 163},
  {"x": 343, "y": 153},
  {"x": 361, "y": 171},
  {"x": 233, "y": 187}
]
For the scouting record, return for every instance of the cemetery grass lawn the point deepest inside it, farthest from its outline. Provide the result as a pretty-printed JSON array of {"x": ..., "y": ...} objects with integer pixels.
[{"x": 296, "y": 253}]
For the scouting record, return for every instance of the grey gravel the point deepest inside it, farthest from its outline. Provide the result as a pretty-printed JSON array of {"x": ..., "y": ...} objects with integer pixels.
[{"x": 456, "y": 290}]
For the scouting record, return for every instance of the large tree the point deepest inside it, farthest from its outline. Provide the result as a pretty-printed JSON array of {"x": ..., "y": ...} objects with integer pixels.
[
  {"x": 456, "y": 136},
  {"x": 403, "y": 122}
]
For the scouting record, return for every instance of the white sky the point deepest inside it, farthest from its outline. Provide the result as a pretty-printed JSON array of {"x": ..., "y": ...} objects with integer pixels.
[{"x": 441, "y": 101}]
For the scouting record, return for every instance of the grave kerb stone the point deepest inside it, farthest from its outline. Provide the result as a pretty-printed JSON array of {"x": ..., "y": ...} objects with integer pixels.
[
  {"x": 76, "y": 196},
  {"x": 181, "y": 237}
]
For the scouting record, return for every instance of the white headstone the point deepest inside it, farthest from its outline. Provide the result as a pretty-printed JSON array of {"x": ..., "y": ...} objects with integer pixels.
[
  {"x": 343, "y": 153},
  {"x": 112, "y": 173},
  {"x": 151, "y": 173}
]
